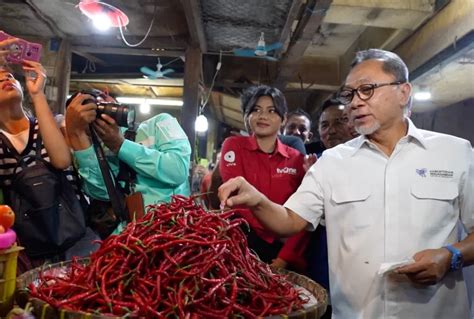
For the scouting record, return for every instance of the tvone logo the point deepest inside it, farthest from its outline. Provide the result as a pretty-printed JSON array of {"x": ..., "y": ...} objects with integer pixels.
[{"x": 286, "y": 170}]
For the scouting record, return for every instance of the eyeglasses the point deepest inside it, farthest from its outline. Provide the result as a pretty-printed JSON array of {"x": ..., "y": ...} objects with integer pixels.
[{"x": 364, "y": 91}]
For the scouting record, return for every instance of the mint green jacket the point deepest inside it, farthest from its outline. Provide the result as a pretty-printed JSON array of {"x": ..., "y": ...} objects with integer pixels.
[{"x": 160, "y": 155}]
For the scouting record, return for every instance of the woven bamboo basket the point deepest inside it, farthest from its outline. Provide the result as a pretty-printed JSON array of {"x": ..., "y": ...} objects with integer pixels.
[{"x": 41, "y": 310}]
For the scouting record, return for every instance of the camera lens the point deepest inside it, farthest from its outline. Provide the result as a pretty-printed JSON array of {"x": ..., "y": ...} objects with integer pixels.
[{"x": 124, "y": 115}]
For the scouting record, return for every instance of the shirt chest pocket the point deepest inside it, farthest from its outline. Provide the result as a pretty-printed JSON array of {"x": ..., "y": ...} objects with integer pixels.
[
  {"x": 438, "y": 191},
  {"x": 351, "y": 206},
  {"x": 435, "y": 201}
]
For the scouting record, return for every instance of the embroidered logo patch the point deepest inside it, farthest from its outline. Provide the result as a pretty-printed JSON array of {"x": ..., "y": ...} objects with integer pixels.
[
  {"x": 286, "y": 170},
  {"x": 229, "y": 157},
  {"x": 441, "y": 173},
  {"x": 421, "y": 171}
]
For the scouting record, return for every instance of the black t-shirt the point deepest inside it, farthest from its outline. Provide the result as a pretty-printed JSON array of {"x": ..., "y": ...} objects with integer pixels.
[{"x": 315, "y": 148}]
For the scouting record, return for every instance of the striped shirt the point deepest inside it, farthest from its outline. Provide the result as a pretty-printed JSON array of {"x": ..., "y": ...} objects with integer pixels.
[{"x": 9, "y": 163}]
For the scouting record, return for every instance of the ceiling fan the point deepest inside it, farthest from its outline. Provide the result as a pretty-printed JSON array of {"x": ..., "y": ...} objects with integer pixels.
[
  {"x": 261, "y": 50},
  {"x": 159, "y": 73}
]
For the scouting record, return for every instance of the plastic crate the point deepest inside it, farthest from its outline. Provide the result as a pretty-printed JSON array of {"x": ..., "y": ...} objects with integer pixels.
[{"x": 8, "y": 262}]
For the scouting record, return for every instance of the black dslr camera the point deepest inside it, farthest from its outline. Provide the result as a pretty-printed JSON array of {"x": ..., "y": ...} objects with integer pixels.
[{"x": 124, "y": 115}]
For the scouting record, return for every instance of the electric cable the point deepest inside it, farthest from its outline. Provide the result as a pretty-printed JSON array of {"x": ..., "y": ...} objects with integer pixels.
[
  {"x": 146, "y": 35},
  {"x": 218, "y": 67}
]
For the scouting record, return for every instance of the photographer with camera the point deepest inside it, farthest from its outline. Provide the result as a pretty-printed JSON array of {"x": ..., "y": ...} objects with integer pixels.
[{"x": 160, "y": 154}]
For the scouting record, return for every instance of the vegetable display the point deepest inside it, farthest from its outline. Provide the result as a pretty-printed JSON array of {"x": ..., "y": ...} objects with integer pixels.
[
  {"x": 7, "y": 218},
  {"x": 179, "y": 261}
]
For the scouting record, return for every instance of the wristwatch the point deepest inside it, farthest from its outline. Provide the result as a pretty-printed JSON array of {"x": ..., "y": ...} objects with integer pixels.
[{"x": 457, "y": 259}]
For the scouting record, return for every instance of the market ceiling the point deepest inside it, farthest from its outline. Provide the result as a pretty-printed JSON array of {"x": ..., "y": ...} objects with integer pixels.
[{"x": 318, "y": 40}]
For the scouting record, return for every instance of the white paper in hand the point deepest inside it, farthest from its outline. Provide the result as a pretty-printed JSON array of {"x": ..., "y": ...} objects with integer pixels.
[{"x": 388, "y": 267}]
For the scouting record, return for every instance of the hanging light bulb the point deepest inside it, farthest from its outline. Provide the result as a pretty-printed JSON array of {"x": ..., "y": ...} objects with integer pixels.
[
  {"x": 96, "y": 10},
  {"x": 260, "y": 49},
  {"x": 145, "y": 107},
  {"x": 102, "y": 22},
  {"x": 201, "y": 125},
  {"x": 422, "y": 96}
]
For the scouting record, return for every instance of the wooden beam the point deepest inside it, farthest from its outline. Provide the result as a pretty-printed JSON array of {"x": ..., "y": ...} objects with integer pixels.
[
  {"x": 171, "y": 42},
  {"x": 293, "y": 86},
  {"x": 215, "y": 101},
  {"x": 127, "y": 51},
  {"x": 237, "y": 124},
  {"x": 135, "y": 77},
  {"x": 46, "y": 19},
  {"x": 298, "y": 46},
  {"x": 191, "y": 98},
  {"x": 105, "y": 76},
  {"x": 162, "y": 91},
  {"x": 290, "y": 19},
  {"x": 154, "y": 91},
  {"x": 317, "y": 72},
  {"x": 413, "y": 5},
  {"x": 90, "y": 57},
  {"x": 450, "y": 24},
  {"x": 255, "y": 70},
  {"x": 395, "y": 39},
  {"x": 230, "y": 84},
  {"x": 404, "y": 19},
  {"x": 231, "y": 116},
  {"x": 216, "y": 110},
  {"x": 192, "y": 11},
  {"x": 371, "y": 37},
  {"x": 229, "y": 111},
  {"x": 62, "y": 75},
  {"x": 137, "y": 82}
]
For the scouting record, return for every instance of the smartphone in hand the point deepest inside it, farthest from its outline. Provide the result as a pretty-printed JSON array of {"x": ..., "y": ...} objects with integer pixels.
[{"x": 21, "y": 50}]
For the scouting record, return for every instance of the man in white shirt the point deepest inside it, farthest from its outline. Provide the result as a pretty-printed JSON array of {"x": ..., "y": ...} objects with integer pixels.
[{"x": 393, "y": 193}]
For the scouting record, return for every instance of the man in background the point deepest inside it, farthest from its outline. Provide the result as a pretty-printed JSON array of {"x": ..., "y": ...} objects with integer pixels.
[
  {"x": 299, "y": 124},
  {"x": 333, "y": 125},
  {"x": 333, "y": 129}
]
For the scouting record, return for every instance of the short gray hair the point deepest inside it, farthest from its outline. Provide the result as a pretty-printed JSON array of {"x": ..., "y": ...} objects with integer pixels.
[{"x": 392, "y": 63}]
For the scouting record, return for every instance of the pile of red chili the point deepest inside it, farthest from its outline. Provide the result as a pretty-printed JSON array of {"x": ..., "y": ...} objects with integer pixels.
[{"x": 179, "y": 261}]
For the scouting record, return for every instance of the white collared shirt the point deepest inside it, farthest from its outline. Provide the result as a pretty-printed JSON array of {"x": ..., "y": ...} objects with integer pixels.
[{"x": 385, "y": 209}]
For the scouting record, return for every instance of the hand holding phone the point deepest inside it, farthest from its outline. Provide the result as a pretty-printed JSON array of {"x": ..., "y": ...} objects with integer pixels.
[
  {"x": 19, "y": 49},
  {"x": 35, "y": 76}
]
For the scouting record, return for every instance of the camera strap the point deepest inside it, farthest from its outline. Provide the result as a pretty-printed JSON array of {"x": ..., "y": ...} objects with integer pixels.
[
  {"x": 126, "y": 174},
  {"x": 116, "y": 197}
]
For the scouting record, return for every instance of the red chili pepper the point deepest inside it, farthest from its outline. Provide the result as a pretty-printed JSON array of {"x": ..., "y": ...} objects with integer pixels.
[{"x": 179, "y": 260}]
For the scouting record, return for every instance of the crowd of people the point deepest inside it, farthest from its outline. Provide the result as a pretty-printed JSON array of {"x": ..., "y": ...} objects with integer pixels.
[{"x": 375, "y": 189}]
